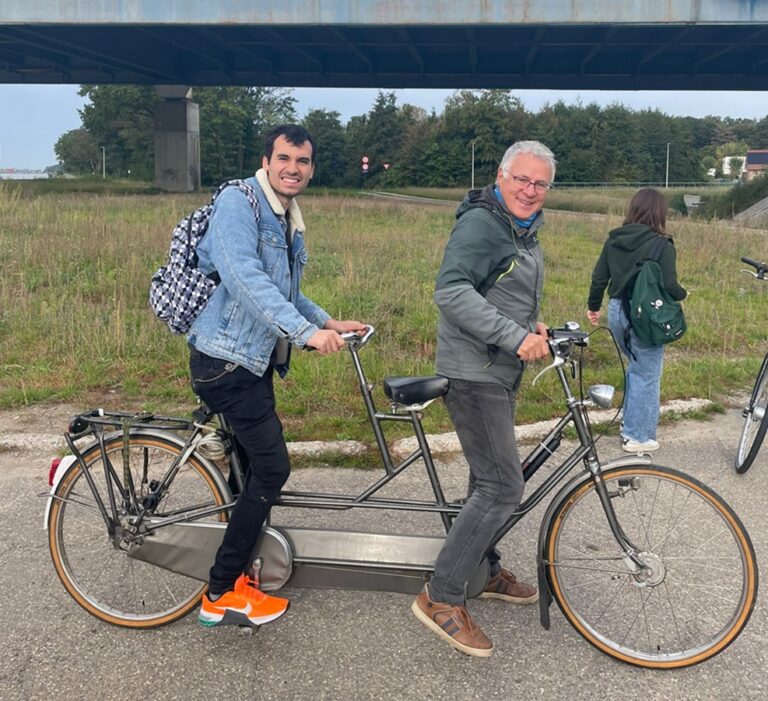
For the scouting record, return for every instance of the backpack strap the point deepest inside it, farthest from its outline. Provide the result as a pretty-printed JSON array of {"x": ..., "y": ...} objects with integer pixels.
[
  {"x": 250, "y": 194},
  {"x": 654, "y": 254},
  {"x": 658, "y": 246}
]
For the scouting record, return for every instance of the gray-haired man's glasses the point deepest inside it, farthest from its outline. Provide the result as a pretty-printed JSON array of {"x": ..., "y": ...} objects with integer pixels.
[{"x": 521, "y": 182}]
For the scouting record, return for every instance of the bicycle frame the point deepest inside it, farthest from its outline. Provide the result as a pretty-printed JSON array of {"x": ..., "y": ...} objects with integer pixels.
[{"x": 321, "y": 557}]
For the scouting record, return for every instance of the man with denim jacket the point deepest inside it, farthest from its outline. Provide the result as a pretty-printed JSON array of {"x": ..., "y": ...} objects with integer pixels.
[
  {"x": 488, "y": 293},
  {"x": 242, "y": 336}
]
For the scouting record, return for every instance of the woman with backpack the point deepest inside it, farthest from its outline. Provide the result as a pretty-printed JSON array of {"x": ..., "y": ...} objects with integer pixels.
[{"x": 623, "y": 253}]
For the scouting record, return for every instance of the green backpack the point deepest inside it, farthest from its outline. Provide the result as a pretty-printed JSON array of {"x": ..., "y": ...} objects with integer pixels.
[{"x": 655, "y": 317}]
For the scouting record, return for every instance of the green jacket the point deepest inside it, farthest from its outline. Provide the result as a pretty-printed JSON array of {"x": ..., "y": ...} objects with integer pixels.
[
  {"x": 624, "y": 248},
  {"x": 488, "y": 292}
]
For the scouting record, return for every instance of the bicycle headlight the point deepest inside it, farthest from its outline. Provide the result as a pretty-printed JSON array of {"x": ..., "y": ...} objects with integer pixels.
[{"x": 602, "y": 395}]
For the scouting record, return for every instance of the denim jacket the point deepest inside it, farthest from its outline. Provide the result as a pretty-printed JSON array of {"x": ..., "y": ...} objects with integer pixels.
[{"x": 250, "y": 309}]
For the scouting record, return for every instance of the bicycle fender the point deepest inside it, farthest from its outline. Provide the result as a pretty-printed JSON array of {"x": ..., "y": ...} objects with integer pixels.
[{"x": 61, "y": 470}]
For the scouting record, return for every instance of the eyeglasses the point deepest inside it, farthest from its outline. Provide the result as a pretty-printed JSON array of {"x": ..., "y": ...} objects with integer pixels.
[{"x": 521, "y": 182}]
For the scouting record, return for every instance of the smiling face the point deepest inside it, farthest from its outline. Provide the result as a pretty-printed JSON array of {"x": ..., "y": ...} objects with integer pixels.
[
  {"x": 289, "y": 169},
  {"x": 524, "y": 201}
]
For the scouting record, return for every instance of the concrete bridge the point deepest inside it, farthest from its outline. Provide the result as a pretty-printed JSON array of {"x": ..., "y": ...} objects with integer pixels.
[
  {"x": 521, "y": 44},
  {"x": 554, "y": 44}
]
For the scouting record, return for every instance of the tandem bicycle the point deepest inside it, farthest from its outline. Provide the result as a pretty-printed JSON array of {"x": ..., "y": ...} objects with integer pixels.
[{"x": 646, "y": 563}]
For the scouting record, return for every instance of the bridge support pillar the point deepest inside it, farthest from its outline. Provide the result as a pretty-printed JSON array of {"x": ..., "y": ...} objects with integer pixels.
[{"x": 177, "y": 140}]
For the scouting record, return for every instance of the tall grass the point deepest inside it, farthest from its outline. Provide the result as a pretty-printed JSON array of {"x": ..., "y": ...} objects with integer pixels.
[{"x": 75, "y": 324}]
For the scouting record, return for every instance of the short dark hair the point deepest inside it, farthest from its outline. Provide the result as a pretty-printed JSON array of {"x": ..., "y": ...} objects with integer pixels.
[
  {"x": 293, "y": 133},
  {"x": 648, "y": 207}
]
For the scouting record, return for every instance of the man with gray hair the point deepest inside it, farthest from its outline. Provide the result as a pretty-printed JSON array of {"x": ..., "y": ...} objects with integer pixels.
[{"x": 489, "y": 295}]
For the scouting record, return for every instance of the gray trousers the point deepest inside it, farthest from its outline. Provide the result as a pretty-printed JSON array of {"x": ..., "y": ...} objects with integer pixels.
[{"x": 483, "y": 415}]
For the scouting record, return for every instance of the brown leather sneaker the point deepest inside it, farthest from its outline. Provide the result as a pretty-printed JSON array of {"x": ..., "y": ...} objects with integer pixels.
[
  {"x": 453, "y": 624},
  {"x": 505, "y": 586}
]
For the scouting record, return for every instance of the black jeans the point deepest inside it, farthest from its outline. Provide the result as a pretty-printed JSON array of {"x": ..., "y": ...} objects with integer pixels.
[{"x": 248, "y": 403}]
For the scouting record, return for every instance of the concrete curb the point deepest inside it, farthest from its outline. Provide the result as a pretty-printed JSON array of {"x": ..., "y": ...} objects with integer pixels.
[
  {"x": 441, "y": 443},
  {"x": 530, "y": 433}
]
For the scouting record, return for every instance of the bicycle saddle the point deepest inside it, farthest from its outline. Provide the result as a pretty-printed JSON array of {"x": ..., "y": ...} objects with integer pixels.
[{"x": 415, "y": 390}]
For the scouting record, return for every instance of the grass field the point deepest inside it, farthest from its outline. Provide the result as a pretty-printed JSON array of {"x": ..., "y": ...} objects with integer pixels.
[{"x": 75, "y": 324}]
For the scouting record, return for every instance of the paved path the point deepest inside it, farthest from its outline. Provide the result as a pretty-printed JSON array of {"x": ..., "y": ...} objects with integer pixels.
[{"x": 351, "y": 645}]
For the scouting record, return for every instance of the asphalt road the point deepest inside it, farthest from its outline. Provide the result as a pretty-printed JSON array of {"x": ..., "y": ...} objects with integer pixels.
[{"x": 346, "y": 644}]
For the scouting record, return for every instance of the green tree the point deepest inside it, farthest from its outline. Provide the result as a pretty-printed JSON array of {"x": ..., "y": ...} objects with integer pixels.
[
  {"x": 121, "y": 119},
  {"x": 414, "y": 164},
  {"x": 492, "y": 119},
  {"x": 233, "y": 121},
  {"x": 330, "y": 140},
  {"x": 77, "y": 151},
  {"x": 377, "y": 135}
]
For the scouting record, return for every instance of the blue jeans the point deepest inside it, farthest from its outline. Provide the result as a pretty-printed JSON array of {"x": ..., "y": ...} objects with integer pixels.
[
  {"x": 643, "y": 381},
  {"x": 483, "y": 414}
]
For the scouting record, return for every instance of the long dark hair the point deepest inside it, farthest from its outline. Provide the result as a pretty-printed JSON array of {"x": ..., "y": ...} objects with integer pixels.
[{"x": 648, "y": 207}]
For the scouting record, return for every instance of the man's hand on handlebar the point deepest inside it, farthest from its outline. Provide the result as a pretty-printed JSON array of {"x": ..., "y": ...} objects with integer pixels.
[
  {"x": 346, "y": 326},
  {"x": 328, "y": 340},
  {"x": 534, "y": 345}
]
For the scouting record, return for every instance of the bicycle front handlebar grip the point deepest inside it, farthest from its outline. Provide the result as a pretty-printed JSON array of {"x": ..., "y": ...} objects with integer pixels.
[{"x": 755, "y": 264}]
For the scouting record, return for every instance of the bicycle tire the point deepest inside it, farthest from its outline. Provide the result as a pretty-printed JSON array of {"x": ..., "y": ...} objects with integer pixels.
[
  {"x": 101, "y": 577},
  {"x": 695, "y": 545},
  {"x": 755, "y": 422}
]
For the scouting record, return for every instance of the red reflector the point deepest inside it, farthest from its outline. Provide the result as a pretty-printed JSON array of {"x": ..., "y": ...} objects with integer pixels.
[{"x": 54, "y": 466}]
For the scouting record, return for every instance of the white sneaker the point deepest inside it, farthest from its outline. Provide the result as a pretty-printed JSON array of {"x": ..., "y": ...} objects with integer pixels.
[{"x": 633, "y": 446}]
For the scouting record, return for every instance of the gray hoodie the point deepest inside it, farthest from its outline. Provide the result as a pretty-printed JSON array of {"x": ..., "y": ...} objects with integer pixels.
[{"x": 488, "y": 292}]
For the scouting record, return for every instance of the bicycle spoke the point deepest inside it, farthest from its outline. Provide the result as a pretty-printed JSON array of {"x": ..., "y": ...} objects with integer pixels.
[
  {"x": 107, "y": 581},
  {"x": 686, "y": 604}
]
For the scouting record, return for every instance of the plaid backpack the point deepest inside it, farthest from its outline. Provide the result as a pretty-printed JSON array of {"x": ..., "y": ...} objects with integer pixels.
[{"x": 179, "y": 291}]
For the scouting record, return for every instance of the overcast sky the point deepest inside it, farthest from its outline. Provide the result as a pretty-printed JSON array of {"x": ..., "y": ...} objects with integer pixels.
[{"x": 33, "y": 117}]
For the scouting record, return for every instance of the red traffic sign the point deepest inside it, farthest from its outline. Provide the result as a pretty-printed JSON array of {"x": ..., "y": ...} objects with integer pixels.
[
  {"x": 365, "y": 167},
  {"x": 365, "y": 159}
]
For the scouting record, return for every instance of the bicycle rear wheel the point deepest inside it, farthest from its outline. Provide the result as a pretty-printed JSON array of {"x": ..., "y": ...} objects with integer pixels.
[
  {"x": 755, "y": 422},
  {"x": 92, "y": 565},
  {"x": 703, "y": 573}
]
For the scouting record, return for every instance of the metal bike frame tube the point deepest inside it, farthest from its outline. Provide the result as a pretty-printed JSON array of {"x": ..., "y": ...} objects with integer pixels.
[
  {"x": 426, "y": 454},
  {"x": 542, "y": 491},
  {"x": 109, "y": 523},
  {"x": 234, "y": 458},
  {"x": 613, "y": 522},
  {"x": 373, "y": 417}
]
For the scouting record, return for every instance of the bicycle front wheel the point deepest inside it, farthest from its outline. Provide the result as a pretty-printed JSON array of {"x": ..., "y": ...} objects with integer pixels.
[
  {"x": 93, "y": 564},
  {"x": 701, "y": 580},
  {"x": 755, "y": 422}
]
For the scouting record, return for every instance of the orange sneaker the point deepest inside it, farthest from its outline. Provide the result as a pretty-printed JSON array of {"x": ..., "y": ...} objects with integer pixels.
[{"x": 246, "y": 605}]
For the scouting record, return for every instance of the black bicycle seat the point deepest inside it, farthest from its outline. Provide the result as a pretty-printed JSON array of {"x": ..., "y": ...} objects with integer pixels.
[{"x": 415, "y": 390}]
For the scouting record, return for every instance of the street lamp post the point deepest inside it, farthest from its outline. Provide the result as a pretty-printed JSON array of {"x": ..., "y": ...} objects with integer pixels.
[
  {"x": 666, "y": 179},
  {"x": 473, "y": 164},
  {"x": 103, "y": 163}
]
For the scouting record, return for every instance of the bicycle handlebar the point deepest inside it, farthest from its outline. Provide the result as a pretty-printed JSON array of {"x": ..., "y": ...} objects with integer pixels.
[
  {"x": 561, "y": 340},
  {"x": 356, "y": 340},
  {"x": 761, "y": 268},
  {"x": 569, "y": 332}
]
